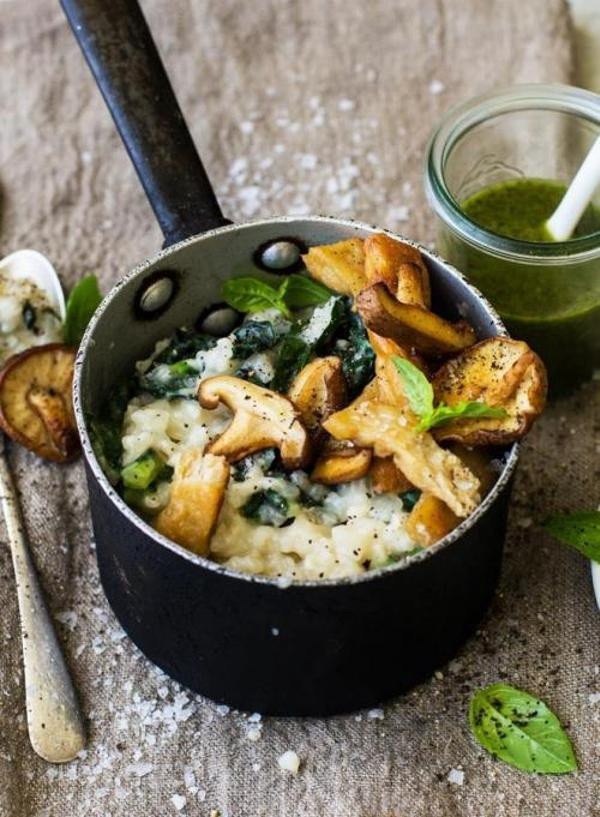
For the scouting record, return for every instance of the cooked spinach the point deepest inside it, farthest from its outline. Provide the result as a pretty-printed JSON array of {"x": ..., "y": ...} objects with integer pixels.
[
  {"x": 252, "y": 337},
  {"x": 170, "y": 380},
  {"x": 409, "y": 499},
  {"x": 267, "y": 507},
  {"x": 105, "y": 431},
  {"x": 293, "y": 353},
  {"x": 356, "y": 353},
  {"x": 394, "y": 558},
  {"x": 264, "y": 459},
  {"x": 185, "y": 344},
  {"x": 29, "y": 316}
]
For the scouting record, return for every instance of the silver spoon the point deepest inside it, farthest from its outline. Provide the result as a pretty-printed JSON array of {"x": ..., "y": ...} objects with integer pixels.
[{"x": 53, "y": 717}]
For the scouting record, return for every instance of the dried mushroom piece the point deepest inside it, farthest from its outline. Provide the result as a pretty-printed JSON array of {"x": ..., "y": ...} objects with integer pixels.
[
  {"x": 410, "y": 325},
  {"x": 340, "y": 266},
  {"x": 388, "y": 431},
  {"x": 36, "y": 408},
  {"x": 341, "y": 462},
  {"x": 197, "y": 493},
  {"x": 400, "y": 267},
  {"x": 318, "y": 390},
  {"x": 430, "y": 520},
  {"x": 262, "y": 419},
  {"x": 387, "y": 478},
  {"x": 500, "y": 372}
]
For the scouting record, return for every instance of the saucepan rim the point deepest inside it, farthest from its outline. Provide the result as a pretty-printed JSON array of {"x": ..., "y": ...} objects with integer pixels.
[{"x": 510, "y": 457}]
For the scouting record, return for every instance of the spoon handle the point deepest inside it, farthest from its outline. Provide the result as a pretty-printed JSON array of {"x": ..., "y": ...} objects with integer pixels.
[{"x": 53, "y": 717}]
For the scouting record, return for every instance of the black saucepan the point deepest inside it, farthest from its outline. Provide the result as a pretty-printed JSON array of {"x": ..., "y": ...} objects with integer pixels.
[{"x": 312, "y": 648}]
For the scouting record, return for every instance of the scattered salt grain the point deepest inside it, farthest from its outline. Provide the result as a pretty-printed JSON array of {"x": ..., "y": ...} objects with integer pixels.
[
  {"x": 223, "y": 710},
  {"x": 401, "y": 213},
  {"x": 138, "y": 769},
  {"x": 436, "y": 87},
  {"x": 594, "y": 698},
  {"x": 254, "y": 733},
  {"x": 375, "y": 714},
  {"x": 255, "y": 717},
  {"x": 289, "y": 762},
  {"x": 346, "y": 105},
  {"x": 308, "y": 161},
  {"x": 456, "y": 776},
  {"x": 274, "y": 631},
  {"x": 439, "y": 675},
  {"x": 246, "y": 127},
  {"x": 179, "y": 801}
]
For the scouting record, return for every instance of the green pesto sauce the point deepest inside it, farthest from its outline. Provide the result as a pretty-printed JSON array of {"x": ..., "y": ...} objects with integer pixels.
[
  {"x": 520, "y": 208},
  {"x": 555, "y": 308}
]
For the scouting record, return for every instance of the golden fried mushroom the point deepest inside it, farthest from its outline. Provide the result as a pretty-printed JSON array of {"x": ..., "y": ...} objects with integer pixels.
[
  {"x": 341, "y": 462},
  {"x": 410, "y": 325},
  {"x": 500, "y": 372},
  {"x": 477, "y": 460},
  {"x": 388, "y": 431},
  {"x": 36, "y": 408},
  {"x": 430, "y": 520},
  {"x": 262, "y": 419},
  {"x": 387, "y": 478},
  {"x": 197, "y": 493},
  {"x": 317, "y": 391},
  {"x": 340, "y": 266},
  {"x": 400, "y": 267}
]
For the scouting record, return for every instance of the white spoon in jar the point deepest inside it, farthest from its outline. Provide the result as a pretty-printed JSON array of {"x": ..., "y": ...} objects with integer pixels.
[
  {"x": 53, "y": 717},
  {"x": 564, "y": 219}
]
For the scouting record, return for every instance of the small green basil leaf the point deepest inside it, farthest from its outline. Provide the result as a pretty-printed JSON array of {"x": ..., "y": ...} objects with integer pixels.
[
  {"x": 418, "y": 390},
  {"x": 521, "y": 730},
  {"x": 302, "y": 291},
  {"x": 249, "y": 294},
  {"x": 461, "y": 411},
  {"x": 81, "y": 305},
  {"x": 580, "y": 530}
]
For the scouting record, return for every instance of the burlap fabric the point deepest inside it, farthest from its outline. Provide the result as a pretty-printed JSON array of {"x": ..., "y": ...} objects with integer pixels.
[{"x": 297, "y": 107}]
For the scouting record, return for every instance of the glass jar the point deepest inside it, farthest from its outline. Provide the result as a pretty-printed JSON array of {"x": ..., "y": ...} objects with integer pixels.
[{"x": 548, "y": 293}]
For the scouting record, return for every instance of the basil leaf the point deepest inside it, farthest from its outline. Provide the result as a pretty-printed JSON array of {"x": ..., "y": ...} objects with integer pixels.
[
  {"x": 418, "y": 390},
  {"x": 302, "y": 291},
  {"x": 580, "y": 530},
  {"x": 463, "y": 410},
  {"x": 249, "y": 294},
  {"x": 81, "y": 305},
  {"x": 521, "y": 730}
]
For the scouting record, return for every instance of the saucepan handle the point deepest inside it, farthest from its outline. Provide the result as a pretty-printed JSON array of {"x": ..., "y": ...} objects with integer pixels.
[{"x": 123, "y": 58}]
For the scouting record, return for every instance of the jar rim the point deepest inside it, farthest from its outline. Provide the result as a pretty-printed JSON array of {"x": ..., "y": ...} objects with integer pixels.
[{"x": 464, "y": 117}]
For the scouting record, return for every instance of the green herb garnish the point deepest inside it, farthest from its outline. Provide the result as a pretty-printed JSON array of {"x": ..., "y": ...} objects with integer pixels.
[
  {"x": 81, "y": 305},
  {"x": 302, "y": 291},
  {"x": 579, "y": 530},
  {"x": 250, "y": 294},
  {"x": 419, "y": 393},
  {"x": 521, "y": 730}
]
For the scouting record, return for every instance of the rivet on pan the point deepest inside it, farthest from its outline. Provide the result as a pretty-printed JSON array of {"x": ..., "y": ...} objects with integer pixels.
[
  {"x": 279, "y": 255},
  {"x": 156, "y": 294}
]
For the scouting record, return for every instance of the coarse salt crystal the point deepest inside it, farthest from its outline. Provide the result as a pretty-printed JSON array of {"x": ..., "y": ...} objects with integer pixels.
[
  {"x": 436, "y": 87},
  {"x": 346, "y": 105},
  {"x": 223, "y": 710},
  {"x": 456, "y": 776},
  {"x": 594, "y": 697},
  {"x": 179, "y": 801},
  {"x": 375, "y": 714},
  {"x": 289, "y": 762}
]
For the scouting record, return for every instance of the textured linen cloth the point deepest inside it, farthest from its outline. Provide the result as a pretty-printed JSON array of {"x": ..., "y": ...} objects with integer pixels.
[{"x": 296, "y": 107}]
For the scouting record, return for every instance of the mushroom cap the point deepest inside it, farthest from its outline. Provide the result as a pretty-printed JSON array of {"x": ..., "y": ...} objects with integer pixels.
[
  {"x": 501, "y": 372},
  {"x": 36, "y": 407},
  {"x": 411, "y": 325}
]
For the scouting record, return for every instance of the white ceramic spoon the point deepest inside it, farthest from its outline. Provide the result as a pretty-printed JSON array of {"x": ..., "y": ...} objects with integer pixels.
[
  {"x": 564, "y": 219},
  {"x": 53, "y": 717}
]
